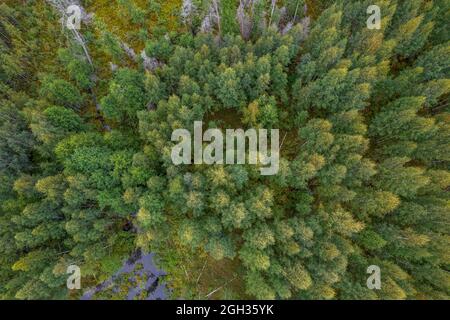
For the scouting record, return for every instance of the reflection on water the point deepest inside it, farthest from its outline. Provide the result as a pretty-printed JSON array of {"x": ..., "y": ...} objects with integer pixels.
[{"x": 138, "y": 278}]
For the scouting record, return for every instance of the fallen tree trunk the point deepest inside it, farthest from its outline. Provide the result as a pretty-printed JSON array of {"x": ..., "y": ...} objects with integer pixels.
[{"x": 61, "y": 6}]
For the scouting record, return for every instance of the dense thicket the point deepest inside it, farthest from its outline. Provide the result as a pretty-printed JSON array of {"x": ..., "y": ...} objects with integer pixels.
[{"x": 86, "y": 123}]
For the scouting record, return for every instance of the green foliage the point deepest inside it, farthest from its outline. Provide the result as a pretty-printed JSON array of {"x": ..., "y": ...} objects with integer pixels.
[
  {"x": 363, "y": 118},
  {"x": 126, "y": 95},
  {"x": 60, "y": 92}
]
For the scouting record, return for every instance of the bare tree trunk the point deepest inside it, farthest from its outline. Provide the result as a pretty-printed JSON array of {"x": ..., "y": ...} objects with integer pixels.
[
  {"x": 61, "y": 7},
  {"x": 80, "y": 41},
  {"x": 245, "y": 18},
  {"x": 296, "y": 10},
  {"x": 129, "y": 51},
  {"x": 217, "y": 13},
  {"x": 274, "y": 2},
  {"x": 219, "y": 288}
]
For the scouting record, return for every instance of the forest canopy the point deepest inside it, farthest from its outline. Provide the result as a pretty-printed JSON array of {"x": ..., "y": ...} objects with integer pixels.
[{"x": 86, "y": 175}]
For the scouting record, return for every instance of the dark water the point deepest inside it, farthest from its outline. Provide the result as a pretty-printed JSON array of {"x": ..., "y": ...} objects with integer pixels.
[{"x": 138, "y": 265}]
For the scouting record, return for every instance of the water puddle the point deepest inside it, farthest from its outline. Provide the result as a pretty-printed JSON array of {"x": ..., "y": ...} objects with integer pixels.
[{"x": 138, "y": 278}]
